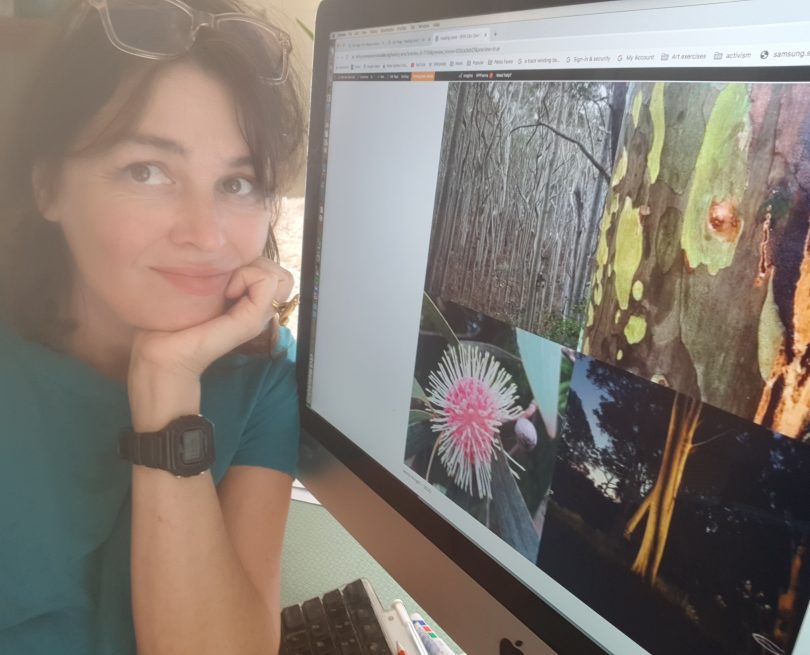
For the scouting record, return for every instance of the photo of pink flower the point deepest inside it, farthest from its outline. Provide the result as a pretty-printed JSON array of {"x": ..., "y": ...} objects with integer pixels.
[
  {"x": 483, "y": 418},
  {"x": 472, "y": 396}
]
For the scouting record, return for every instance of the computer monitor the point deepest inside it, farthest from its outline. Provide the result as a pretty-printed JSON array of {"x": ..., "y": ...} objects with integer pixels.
[{"x": 554, "y": 350}]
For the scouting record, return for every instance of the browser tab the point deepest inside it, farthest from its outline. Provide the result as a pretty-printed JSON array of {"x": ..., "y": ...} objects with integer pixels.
[{"x": 456, "y": 37}]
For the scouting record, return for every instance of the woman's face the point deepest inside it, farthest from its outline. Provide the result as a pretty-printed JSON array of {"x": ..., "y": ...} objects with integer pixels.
[{"x": 157, "y": 223}]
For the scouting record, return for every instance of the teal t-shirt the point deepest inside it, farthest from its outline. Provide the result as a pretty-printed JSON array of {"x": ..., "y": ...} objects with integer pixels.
[{"x": 65, "y": 495}]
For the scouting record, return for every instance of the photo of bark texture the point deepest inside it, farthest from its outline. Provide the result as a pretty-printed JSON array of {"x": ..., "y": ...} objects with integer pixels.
[
  {"x": 702, "y": 278},
  {"x": 484, "y": 418},
  {"x": 523, "y": 177},
  {"x": 683, "y": 525}
]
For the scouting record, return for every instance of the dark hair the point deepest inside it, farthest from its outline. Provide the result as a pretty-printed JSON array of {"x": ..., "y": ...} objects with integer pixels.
[{"x": 77, "y": 74}]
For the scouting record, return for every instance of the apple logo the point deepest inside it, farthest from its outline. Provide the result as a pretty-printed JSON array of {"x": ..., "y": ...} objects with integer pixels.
[{"x": 507, "y": 648}]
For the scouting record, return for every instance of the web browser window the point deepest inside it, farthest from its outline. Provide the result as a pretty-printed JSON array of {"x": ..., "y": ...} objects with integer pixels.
[{"x": 561, "y": 293}]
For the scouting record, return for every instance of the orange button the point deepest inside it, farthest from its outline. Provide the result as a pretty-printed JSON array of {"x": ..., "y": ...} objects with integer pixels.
[{"x": 423, "y": 76}]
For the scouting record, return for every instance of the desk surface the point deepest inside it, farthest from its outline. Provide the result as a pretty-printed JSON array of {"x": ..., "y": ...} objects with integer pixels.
[{"x": 320, "y": 555}]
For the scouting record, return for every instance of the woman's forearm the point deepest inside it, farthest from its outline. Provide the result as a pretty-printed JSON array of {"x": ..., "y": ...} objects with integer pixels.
[{"x": 190, "y": 592}]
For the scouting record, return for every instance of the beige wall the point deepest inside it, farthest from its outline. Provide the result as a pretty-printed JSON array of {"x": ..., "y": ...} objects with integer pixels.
[{"x": 305, "y": 11}]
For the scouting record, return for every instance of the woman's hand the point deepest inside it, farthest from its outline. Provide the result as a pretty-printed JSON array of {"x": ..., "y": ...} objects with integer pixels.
[{"x": 165, "y": 367}]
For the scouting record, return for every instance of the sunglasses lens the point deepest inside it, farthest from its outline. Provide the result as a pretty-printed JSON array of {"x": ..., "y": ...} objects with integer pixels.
[
  {"x": 154, "y": 26},
  {"x": 258, "y": 43}
]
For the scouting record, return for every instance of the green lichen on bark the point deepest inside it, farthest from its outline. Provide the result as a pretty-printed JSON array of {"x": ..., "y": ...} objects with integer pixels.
[
  {"x": 618, "y": 174},
  {"x": 636, "y": 108},
  {"x": 635, "y": 329},
  {"x": 602, "y": 246},
  {"x": 771, "y": 334},
  {"x": 638, "y": 290},
  {"x": 659, "y": 128},
  {"x": 720, "y": 175},
  {"x": 687, "y": 108},
  {"x": 629, "y": 246},
  {"x": 597, "y": 294},
  {"x": 667, "y": 242},
  {"x": 601, "y": 274}
]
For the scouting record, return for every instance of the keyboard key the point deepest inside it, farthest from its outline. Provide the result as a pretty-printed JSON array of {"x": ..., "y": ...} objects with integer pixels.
[
  {"x": 342, "y": 622},
  {"x": 297, "y": 641},
  {"x": 350, "y": 648},
  {"x": 355, "y": 593},
  {"x": 332, "y": 600},
  {"x": 315, "y": 615},
  {"x": 323, "y": 646},
  {"x": 292, "y": 618},
  {"x": 371, "y": 631}
]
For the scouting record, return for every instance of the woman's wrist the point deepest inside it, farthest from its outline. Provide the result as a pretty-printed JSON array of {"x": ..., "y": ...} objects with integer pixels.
[{"x": 157, "y": 397}]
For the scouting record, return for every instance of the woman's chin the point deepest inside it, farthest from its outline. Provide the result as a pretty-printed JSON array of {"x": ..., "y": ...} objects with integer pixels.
[{"x": 177, "y": 318}]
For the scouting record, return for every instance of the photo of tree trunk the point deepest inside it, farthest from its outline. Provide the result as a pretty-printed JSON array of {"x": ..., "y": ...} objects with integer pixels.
[
  {"x": 484, "y": 418},
  {"x": 683, "y": 525},
  {"x": 702, "y": 274},
  {"x": 523, "y": 177}
]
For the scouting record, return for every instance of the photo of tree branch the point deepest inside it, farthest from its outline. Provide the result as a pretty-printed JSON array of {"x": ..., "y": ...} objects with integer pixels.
[
  {"x": 523, "y": 177},
  {"x": 484, "y": 418},
  {"x": 683, "y": 525},
  {"x": 703, "y": 263}
]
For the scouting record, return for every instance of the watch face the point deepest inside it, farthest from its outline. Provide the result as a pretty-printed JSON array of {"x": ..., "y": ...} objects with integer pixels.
[{"x": 193, "y": 446}]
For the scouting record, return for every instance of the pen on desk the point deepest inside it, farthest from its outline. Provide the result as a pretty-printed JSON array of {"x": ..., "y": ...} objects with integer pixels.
[
  {"x": 413, "y": 633},
  {"x": 433, "y": 644}
]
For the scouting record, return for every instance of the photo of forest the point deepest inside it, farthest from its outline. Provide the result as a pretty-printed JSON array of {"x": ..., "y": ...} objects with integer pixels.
[
  {"x": 523, "y": 177},
  {"x": 702, "y": 269},
  {"x": 683, "y": 525},
  {"x": 484, "y": 418}
]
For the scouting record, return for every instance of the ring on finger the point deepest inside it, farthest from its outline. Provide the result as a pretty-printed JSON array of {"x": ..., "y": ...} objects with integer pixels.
[{"x": 285, "y": 309}]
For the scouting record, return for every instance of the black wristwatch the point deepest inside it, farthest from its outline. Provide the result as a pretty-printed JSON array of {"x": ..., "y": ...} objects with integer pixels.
[{"x": 185, "y": 447}]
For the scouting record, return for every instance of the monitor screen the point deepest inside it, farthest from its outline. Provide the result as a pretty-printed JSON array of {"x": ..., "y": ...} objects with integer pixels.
[{"x": 560, "y": 290}]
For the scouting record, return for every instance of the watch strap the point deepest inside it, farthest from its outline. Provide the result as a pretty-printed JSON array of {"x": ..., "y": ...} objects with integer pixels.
[{"x": 145, "y": 448}]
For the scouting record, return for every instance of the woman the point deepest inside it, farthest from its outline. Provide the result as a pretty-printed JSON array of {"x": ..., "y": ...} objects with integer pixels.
[{"x": 138, "y": 256}]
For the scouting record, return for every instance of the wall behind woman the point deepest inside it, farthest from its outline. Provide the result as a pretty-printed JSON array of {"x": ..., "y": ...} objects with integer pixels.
[
  {"x": 291, "y": 15},
  {"x": 289, "y": 227}
]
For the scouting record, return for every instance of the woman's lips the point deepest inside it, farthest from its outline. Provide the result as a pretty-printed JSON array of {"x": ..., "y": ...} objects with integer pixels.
[{"x": 197, "y": 282}]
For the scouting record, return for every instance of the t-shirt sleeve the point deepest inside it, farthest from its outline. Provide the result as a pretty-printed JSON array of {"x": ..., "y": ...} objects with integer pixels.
[{"x": 271, "y": 436}]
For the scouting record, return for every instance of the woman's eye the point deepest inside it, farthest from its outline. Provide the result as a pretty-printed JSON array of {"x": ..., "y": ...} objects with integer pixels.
[
  {"x": 238, "y": 186},
  {"x": 147, "y": 174}
]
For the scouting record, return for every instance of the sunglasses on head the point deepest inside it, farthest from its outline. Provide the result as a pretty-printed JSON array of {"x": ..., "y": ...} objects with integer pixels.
[{"x": 164, "y": 29}]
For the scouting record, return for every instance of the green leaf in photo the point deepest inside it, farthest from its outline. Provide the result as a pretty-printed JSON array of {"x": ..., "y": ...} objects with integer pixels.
[
  {"x": 432, "y": 316},
  {"x": 418, "y": 393},
  {"x": 417, "y": 416}
]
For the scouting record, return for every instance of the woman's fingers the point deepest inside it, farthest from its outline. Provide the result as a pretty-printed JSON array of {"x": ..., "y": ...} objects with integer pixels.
[
  {"x": 251, "y": 292},
  {"x": 255, "y": 287},
  {"x": 249, "y": 282}
]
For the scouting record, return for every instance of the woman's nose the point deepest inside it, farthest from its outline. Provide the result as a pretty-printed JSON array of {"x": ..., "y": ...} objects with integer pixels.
[{"x": 199, "y": 223}]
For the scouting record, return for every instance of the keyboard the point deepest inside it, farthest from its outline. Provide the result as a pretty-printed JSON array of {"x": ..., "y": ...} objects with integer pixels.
[{"x": 347, "y": 621}]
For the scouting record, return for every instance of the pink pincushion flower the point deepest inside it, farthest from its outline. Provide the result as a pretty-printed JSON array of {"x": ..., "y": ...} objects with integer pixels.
[{"x": 472, "y": 396}]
